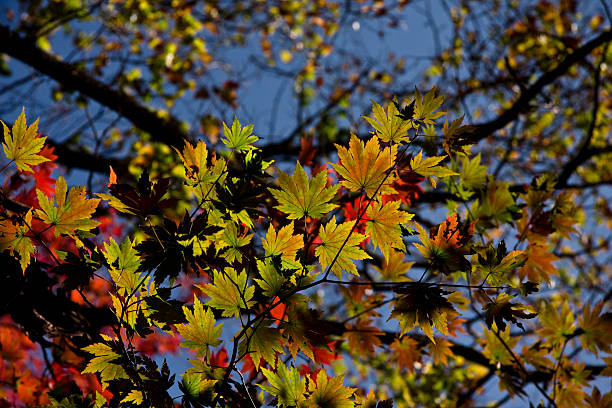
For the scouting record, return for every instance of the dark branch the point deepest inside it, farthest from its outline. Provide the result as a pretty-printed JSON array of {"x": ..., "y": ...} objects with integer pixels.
[
  {"x": 483, "y": 130},
  {"x": 166, "y": 130}
]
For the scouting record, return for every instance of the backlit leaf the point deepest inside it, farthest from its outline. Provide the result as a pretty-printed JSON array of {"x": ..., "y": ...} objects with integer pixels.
[
  {"x": 337, "y": 243},
  {"x": 22, "y": 145},
  {"x": 71, "y": 213},
  {"x": 365, "y": 167},
  {"x": 229, "y": 292},
  {"x": 300, "y": 196},
  {"x": 384, "y": 226},
  {"x": 200, "y": 331}
]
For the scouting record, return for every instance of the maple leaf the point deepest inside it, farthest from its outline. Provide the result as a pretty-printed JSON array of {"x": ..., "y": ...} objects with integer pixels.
[
  {"x": 200, "y": 331},
  {"x": 394, "y": 268},
  {"x": 271, "y": 281},
  {"x": 494, "y": 349},
  {"x": 441, "y": 350},
  {"x": 495, "y": 265},
  {"x": 384, "y": 227},
  {"x": 237, "y": 138},
  {"x": 123, "y": 263},
  {"x": 229, "y": 292},
  {"x": 407, "y": 352},
  {"x": 300, "y": 197},
  {"x": 502, "y": 309},
  {"x": 365, "y": 167},
  {"x": 286, "y": 385},
  {"x": 103, "y": 363},
  {"x": 22, "y": 145},
  {"x": 390, "y": 127},
  {"x": 337, "y": 242},
  {"x": 456, "y": 137},
  {"x": 445, "y": 251},
  {"x": 363, "y": 337},
  {"x": 423, "y": 306},
  {"x": 73, "y": 211},
  {"x": 283, "y": 243},
  {"x": 558, "y": 322},
  {"x": 328, "y": 392},
  {"x": 539, "y": 265},
  {"x": 262, "y": 342},
  {"x": 199, "y": 177},
  {"x": 426, "y": 106},
  {"x": 233, "y": 242},
  {"x": 596, "y": 328},
  {"x": 13, "y": 237},
  {"x": 135, "y": 397},
  {"x": 429, "y": 167}
]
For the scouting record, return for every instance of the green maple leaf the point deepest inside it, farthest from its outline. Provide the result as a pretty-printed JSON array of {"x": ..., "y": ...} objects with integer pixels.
[
  {"x": 389, "y": 127},
  {"x": 72, "y": 212},
  {"x": 124, "y": 262},
  {"x": 200, "y": 331},
  {"x": 234, "y": 242},
  {"x": 271, "y": 281},
  {"x": 262, "y": 343},
  {"x": 300, "y": 197},
  {"x": 429, "y": 167},
  {"x": 283, "y": 243},
  {"x": 229, "y": 292},
  {"x": 426, "y": 106},
  {"x": 286, "y": 385},
  {"x": 330, "y": 393},
  {"x": 237, "y": 138},
  {"x": 333, "y": 236},
  {"x": 21, "y": 144},
  {"x": 103, "y": 363},
  {"x": 384, "y": 226}
]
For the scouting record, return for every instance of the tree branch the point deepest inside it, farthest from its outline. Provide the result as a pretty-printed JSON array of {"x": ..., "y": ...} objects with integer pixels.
[
  {"x": 167, "y": 130},
  {"x": 483, "y": 130}
]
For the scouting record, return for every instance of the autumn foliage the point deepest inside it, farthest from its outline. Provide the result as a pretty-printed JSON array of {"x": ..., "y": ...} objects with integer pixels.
[{"x": 425, "y": 254}]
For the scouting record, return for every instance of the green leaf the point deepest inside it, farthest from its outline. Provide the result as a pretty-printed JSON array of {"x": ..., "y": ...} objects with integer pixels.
[
  {"x": 286, "y": 385},
  {"x": 229, "y": 292},
  {"x": 135, "y": 397},
  {"x": 271, "y": 281},
  {"x": 328, "y": 392},
  {"x": 426, "y": 106},
  {"x": 333, "y": 238},
  {"x": 262, "y": 343},
  {"x": 73, "y": 211},
  {"x": 389, "y": 127},
  {"x": 300, "y": 197},
  {"x": 103, "y": 363},
  {"x": 239, "y": 139},
  {"x": 429, "y": 167},
  {"x": 21, "y": 144},
  {"x": 124, "y": 262},
  {"x": 234, "y": 242},
  {"x": 200, "y": 331}
]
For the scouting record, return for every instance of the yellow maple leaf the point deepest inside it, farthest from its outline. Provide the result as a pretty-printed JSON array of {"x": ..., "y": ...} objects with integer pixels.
[
  {"x": 539, "y": 265},
  {"x": 339, "y": 247},
  {"x": 283, "y": 243},
  {"x": 21, "y": 144},
  {"x": 429, "y": 167},
  {"x": 13, "y": 237},
  {"x": 384, "y": 226},
  {"x": 72, "y": 212},
  {"x": 389, "y": 127},
  {"x": 364, "y": 167}
]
